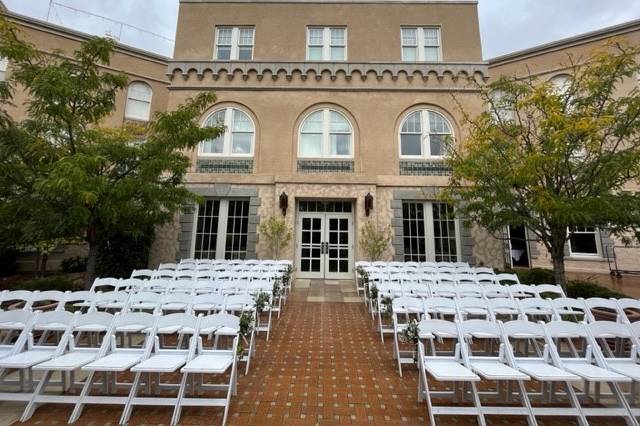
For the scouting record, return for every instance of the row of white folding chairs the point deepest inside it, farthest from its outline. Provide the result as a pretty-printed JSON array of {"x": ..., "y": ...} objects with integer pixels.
[
  {"x": 234, "y": 262},
  {"x": 430, "y": 270},
  {"x": 382, "y": 264},
  {"x": 222, "y": 273},
  {"x": 76, "y": 347},
  {"x": 576, "y": 356}
]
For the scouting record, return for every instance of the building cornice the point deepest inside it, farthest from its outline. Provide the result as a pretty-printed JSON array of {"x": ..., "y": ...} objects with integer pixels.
[
  {"x": 475, "y": 2},
  {"x": 333, "y": 69},
  {"x": 554, "y": 46}
]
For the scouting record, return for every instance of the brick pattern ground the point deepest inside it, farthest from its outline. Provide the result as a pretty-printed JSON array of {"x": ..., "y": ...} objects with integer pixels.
[{"x": 324, "y": 364}]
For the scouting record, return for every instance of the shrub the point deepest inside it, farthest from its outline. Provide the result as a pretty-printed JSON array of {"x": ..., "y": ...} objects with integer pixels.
[
  {"x": 8, "y": 263},
  {"x": 74, "y": 264},
  {"x": 587, "y": 289},
  {"x": 536, "y": 276},
  {"x": 55, "y": 282},
  {"x": 374, "y": 240}
]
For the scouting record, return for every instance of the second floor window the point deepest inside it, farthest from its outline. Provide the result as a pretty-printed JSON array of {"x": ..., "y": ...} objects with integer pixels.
[
  {"x": 238, "y": 138},
  {"x": 138, "y": 102},
  {"x": 234, "y": 43},
  {"x": 424, "y": 134},
  {"x": 421, "y": 44},
  {"x": 325, "y": 133},
  {"x": 3, "y": 68},
  {"x": 326, "y": 44}
]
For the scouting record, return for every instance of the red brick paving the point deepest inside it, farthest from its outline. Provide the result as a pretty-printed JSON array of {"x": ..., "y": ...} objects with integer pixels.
[{"x": 324, "y": 364}]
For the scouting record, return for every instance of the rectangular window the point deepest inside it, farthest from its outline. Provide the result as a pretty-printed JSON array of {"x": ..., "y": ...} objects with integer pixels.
[
  {"x": 584, "y": 241},
  {"x": 4, "y": 63},
  {"x": 234, "y": 43},
  {"x": 221, "y": 229},
  {"x": 431, "y": 232},
  {"x": 326, "y": 44},
  {"x": 421, "y": 44}
]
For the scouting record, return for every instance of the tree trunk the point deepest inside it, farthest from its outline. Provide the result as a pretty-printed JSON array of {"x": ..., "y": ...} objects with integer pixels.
[
  {"x": 558, "y": 241},
  {"x": 92, "y": 260},
  {"x": 43, "y": 264},
  {"x": 36, "y": 269}
]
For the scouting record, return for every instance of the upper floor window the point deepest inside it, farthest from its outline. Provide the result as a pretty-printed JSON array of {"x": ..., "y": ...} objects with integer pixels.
[
  {"x": 326, "y": 44},
  {"x": 238, "y": 138},
  {"x": 584, "y": 241},
  {"x": 4, "y": 63},
  {"x": 325, "y": 133},
  {"x": 234, "y": 43},
  {"x": 502, "y": 108},
  {"x": 138, "y": 101},
  {"x": 421, "y": 44},
  {"x": 423, "y": 134},
  {"x": 561, "y": 84}
]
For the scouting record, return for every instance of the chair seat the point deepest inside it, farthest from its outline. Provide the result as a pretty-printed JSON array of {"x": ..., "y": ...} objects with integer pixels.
[
  {"x": 27, "y": 359},
  {"x": 593, "y": 373},
  {"x": 214, "y": 363},
  {"x": 53, "y": 327},
  {"x": 144, "y": 306},
  {"x": 475, "y": 311},
  {"x": 162, "y": 363},
  {"x": 174, "y": 306},
  {"x": 206, "y": 307},
  {"x": 543, "y": 371},
  {"x": 12, "y": 325},
  {"x": 69, "y": 361},
  {"x": 449, "y": 370},
  {"x": 496, "y": 370},
  {"x": 132, "y": 328},
  {"x": 92, "y": 328},
  {"x": 627, "y": 368},
  {"x": 506, "y": 311},
  {"x": 112, "y": 305},
  {"x": 117, "y": 361}
]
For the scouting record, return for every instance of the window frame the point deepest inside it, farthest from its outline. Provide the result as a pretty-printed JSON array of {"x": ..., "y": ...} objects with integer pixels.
[
  {"x": 429, "y": 231},
  {"x": 228, "y": 134},
  {"x": 326, "y": 135},
  {"x": 235, "y": 42},
  {"x": 4, "y": 66},
  {"x": 326, "y": 43},
  {"x": 127, "y": 113},
  {"x": 222, "y": 224},
  {"x": 425, "y": 135},
  {"x": 597, "y": 238},
  {"x": 420, "y": 44}
]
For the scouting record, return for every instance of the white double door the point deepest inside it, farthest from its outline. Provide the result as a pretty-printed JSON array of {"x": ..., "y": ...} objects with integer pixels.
[{"x": 325, "y": 245}]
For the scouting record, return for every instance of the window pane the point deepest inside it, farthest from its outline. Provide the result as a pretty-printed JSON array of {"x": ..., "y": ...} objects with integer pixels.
[
  {"x": 412, "y": 124},
  {"x": 224, "y": 53},
  {"x": 409, "y": 53},
  {"x": 339, "y": 123},
  {"x": 410, "y": 144},
  {"x": 207, "y": 230},
  {"x": 431, "y": 54},
  {"x": 213, "y": 146},
  {"x": 444, "y": 233},
  {"x": 137, "y": 110},
  {"x": 340, "y": 144},
  {"x": 140, "y": 91},
  {"x": 237, "y": 225},
  {"x": 409, "y": 36},
  {"x": 431, "y": 36},
  {"x": 583, "y": 241},
  {"x": 437, "y": 123},
  {"x": 337, "y": 53},
  {"x": 437, "y": 144},
  {"x": 241, "y": 143},
  {"x": 245, "y": 53},
  {"x": 315, "y": 53},
  {"x": 246, "y": 36},
  {"x": 337, "y": 36},
  {"x": 316, "y": 36},
  {"x": 313, "y": 123},
  {"x": 241, "y": 122},
  {"x": 224, "y": 36},
  {"x": 413, "y": 224},
  {"x": 311, "y": 145}
]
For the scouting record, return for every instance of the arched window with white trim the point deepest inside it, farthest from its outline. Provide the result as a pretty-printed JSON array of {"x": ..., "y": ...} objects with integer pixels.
[
  {"x": 4, "y": 63},
  {"x": 561, "y": 83},
  {"x": 138, "y": 102},
  {"x": 238, "y": 139},
  {"x": 325, "y": 133},
  {"x": 423, "y": 134}
]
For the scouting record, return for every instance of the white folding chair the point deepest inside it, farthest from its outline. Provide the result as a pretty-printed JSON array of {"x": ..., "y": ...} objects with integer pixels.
[
  {"x": 146, "y": 274},
  {"x": 547, "y": 290},
  {"x": 629, "y": 309},
  {"x": 113, "y": 301},
  {"x": 575, "y": 309},
  {"x": 167, "y": 267},
  {"x": 469, "y": 290},
  {"x": 17, "y": 299},
  {"x": 175, "y": 302},
  {"x": 507, "y": 279},
  {"x": 146, "y": 301},
  {"x": 106, "y": 284},
  {"x": 535, "y": 309},
  {"x": 503, "y": 308},
  {"x": 493, "y": 291},
  {"x": 51, "y": 299},
  {"x": 472, "y": 307},
  {"x": 521, "y": 291},
  {"x": 603, "y": 307},
  {"x": 165, "y": 274}
]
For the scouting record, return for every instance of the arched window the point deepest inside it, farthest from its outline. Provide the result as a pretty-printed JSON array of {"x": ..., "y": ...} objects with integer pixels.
[
  {"x": 138, "y": 102},
  {"x": 238, "y": 138},
  {"x": 325, "y": 133},
  {"x": 502, "y": 109},
  {"x": 423, "y": 134},
  {"x": 4, "y": 63},
  {"x": 561, "y": 83}
]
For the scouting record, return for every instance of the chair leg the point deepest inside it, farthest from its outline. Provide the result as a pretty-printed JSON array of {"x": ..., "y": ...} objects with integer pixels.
[
  {"x": 177, "y": 411},
  {"x": 31, "y": 406},
  {"x": 128, "y": 407},
  {"x": 86, "y": 390}
]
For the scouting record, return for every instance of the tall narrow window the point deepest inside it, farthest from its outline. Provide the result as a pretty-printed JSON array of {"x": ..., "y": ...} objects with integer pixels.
[
  {"x": 325, "y": 133},
  {"x": 424, "y": 133},
  {"x": 221, "y": 230},
  {"x": 4, "y": 63},
  {"x": 430, "y": 232},
  {"x": 584, "y": 241},
  {"x": 138, "y": 102},
  {"x": 238, "y": 138},
  {"x": 421, "y": 44},
  {"x": 234, "y": 43},
  {"x": 326, "y": 44}
]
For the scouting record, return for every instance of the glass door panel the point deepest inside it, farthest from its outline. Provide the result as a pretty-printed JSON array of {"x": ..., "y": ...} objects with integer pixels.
[
  {"x": 311, "y": 244},
  {"x": 338, "y": 237}
]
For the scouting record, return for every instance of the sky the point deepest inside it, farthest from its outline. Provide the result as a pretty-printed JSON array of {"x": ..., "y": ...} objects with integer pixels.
[{"x": 505, "y": 25}]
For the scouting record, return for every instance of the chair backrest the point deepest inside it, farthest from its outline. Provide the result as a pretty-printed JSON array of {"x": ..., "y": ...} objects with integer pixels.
[
  {"x": 98, "y": 320},
  {"x": 416, "y": 290},
  {"x": 16, "y": 316},
  {"x": 507, "y": 279},
  {"x": 446, "y": 270},
  {"x": 451, "y": 265},
  {"x": 48, "y": 296},
  {"x": 606, "y": 305},
  {"x": 79, "y": 296},
  {"x": 240, "y": 302},
  {"x": 486, "y": 278},
  {"x": 544, "y": 289},
  {"x": 466, "y": 278},
  {"x": 565, "y": 329},
  {"x": 54, "y": 317},
  {"x": 145, "y": 297},
  {"x": 142, "y": 273},
  {"x": 480, "y": 329},
  {"x": 220, "y": 320},
  {"x": 522, "y": 290},
  {"x": 439, "y": 303},
  {"x": 432, "y": 327},
  {"x": 469, "y": 290},
  {"x": 465, "y": 270},
  {"x": 484, "y": 270},
  {"x": 167, "y": 267},
  {"x": 521, "y": 329},
  {"x": 180, "y": 322},
  {"x": 133, "y": 284},
  {"x": 535, "y": 303},
  {"x": 493, "y": 291},
  {"x": 566, "y": 306},
  {"x": 185, "y": 274},
  {"x": 407, "y": 304},
  {"x": 444, "y": 290},
  {"x": 180, "y": 286},
  {"x": 472, "y": 302},
  {"x": 167, "y": 274},
  {"x": 18, "y": 296}
]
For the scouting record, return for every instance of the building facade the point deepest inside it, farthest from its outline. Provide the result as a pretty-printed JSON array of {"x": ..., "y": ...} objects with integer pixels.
[
  {"x": 337, "y": 112},
  {"x": 590, "y": 250}
]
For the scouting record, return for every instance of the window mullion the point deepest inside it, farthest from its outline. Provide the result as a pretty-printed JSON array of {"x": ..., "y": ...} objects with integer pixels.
[
  {"x": 429, "y": 233},
  {"x": 223, "y": 215},
  {"x": 426, "y": 131},
  {"x": 228, "y": 124},
  {"x": 420, "y": 44},
  {"x": 326, "y": 138},
  {"x": 326, "y": 44},
  {"x": 235, "y": 39}
]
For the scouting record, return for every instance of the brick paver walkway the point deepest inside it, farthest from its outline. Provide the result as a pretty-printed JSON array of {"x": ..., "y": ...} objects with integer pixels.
[{"x": 324, "y": 364}]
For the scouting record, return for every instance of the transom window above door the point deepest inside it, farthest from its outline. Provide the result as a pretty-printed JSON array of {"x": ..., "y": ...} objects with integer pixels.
[
  {"x": 237, "y": 140},
  {"x": 326, "y": 44},
  {"x": 424, "y": 134},
  {"x": 234, "y": 43},
  {"x": 325, "y": 133},
  {"x": 421, "y": 44}
]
